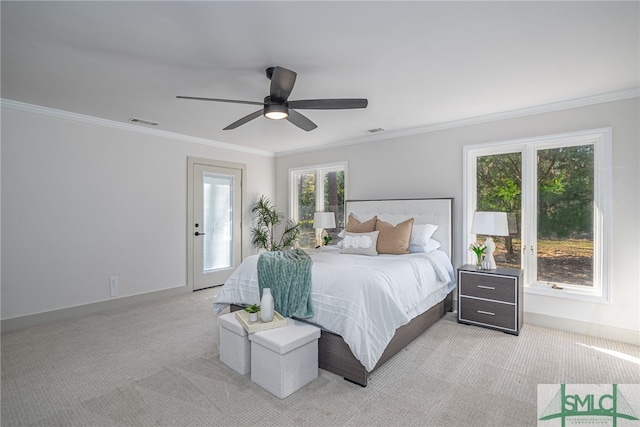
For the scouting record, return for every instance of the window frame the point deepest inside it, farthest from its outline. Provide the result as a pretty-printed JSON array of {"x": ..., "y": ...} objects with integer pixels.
[
  {"x": 318, "y": 170},
  {"x": 602, "y": 141}
]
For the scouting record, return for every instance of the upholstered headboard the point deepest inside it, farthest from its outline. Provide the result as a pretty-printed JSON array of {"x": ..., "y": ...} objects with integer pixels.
[{"x": 424, "y": 211}]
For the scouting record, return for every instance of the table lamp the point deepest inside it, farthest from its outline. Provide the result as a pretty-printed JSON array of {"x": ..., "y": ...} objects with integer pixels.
[
  {"x": 490, "y": 224},
  {"x": 322, "y": 220}
]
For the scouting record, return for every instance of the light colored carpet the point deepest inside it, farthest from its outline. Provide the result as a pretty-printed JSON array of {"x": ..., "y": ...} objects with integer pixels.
[{"x": 157, "y": 364}]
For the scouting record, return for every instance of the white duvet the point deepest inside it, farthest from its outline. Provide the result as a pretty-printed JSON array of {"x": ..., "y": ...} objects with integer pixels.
[{"x": 361, "y": 298}]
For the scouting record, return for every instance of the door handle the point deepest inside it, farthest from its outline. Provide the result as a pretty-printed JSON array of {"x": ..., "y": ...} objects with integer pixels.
[{"x": 199, "y": 234}]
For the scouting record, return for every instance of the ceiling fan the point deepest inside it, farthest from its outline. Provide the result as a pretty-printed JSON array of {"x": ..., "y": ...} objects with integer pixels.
[{"x": 276, "y": 105}]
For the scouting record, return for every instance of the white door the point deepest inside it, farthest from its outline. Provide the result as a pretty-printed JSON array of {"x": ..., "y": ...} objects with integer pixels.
[{"x": 215, "y": 224}]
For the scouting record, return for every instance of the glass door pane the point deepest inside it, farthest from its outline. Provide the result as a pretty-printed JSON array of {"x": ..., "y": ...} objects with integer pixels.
[
  {"x": 565, "y": 206},
  {"x": 217, "y": 221}
]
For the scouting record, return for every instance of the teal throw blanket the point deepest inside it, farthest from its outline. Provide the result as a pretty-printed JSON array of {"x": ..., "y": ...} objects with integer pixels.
[{"x": 288, "y": 275}]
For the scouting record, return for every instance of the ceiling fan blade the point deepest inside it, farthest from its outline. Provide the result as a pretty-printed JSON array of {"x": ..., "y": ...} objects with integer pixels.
[
  {"x": 301, "y": 121},
  {"x": 282, "y": 82},
  {"x": 329, "y": 104},
  {"x": 233, "y": 101},
  {"x": 244, "y": 120}
]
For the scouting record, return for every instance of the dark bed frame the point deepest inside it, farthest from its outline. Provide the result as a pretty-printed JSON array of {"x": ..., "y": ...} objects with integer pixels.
[{"x": 334, "y": 355}]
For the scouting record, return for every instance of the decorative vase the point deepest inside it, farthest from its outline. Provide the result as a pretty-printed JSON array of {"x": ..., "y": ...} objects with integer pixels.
[
  {"x": 266, "y": 305},
  {"x": 479, "y": 261},
  {"x": 253, "y": 317}
]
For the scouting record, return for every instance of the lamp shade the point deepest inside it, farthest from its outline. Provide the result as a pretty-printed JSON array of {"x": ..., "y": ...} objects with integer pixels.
[
  {"x": 324, "y": 220},
  {"x": 490, "y": 224}
]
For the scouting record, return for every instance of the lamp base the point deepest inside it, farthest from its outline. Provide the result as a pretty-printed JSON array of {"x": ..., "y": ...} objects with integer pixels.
[
  {"x": 319, "y": 233},
  {"x": 488, "y": 253}
]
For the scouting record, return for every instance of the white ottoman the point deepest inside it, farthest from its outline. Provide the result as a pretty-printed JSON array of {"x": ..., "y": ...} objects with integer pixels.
[
  {"x": 235, "y": 348},
  {"x": 285, "y": 359}
]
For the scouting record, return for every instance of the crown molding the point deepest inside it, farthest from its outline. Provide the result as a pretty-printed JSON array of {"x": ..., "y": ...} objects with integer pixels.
[
  {"x": 540, "y": 109},
  {"x": 52, "y": 112}
]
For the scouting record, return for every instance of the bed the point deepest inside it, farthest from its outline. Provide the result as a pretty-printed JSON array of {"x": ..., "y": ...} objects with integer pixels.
[{"x": 358, "y": 336}]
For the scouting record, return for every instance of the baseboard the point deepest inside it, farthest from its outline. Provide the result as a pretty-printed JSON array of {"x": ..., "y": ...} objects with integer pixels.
[
  {"x": 586, "y": 328},
  {"x": 22, "y": 322}
]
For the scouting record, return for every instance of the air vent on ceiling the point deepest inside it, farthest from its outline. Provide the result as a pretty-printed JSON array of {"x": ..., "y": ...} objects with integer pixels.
[
  {"x": 376, "y": 130},
  {"x": 143, "y": 122}
]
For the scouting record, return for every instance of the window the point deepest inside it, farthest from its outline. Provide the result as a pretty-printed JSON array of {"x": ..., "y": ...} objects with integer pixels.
[
  {"x": 317, "y": 189},
  {"x": 556, "y": 191}
]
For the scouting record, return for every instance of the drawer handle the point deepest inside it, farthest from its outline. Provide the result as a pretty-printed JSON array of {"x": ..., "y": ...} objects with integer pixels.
[
  {"x": 486, "y": 312},
  {"x": 487, "y": 287}
]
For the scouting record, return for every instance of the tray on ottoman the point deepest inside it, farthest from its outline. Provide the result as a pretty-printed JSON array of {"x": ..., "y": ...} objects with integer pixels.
[{"x": 259, "y": 325}]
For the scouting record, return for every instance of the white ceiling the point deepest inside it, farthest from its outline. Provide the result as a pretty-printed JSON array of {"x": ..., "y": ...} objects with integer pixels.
[{"x": 418, "y": 63}]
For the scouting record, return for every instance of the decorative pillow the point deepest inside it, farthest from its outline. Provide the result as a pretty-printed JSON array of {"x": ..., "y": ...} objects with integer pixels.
[
  {"x": 431, "y": 245},
  {"x": 354, "y": 225},
  {"x": 394, "y": 239},
  {"x": 360, "y": 243},
  {"x": 421, "y": 234}
]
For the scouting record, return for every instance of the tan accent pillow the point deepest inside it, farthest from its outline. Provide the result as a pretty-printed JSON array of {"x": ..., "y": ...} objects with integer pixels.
[
  {"x": 394, "y": 240},
  {"x": 354, "y": 225}
]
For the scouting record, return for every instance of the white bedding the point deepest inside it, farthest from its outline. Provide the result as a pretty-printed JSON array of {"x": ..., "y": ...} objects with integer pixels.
[{"x": 363, "y": 299}]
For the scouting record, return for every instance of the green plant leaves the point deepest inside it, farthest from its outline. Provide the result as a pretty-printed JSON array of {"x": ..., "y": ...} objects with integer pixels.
[{"x": 267, "y": 219}]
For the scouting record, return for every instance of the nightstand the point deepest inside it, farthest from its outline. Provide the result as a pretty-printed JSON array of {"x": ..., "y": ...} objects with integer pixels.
[{"x": 490, "y": 298}]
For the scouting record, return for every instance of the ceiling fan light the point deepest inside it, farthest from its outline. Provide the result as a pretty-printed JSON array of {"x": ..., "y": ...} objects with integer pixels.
[{"x": 276, "y": 112}]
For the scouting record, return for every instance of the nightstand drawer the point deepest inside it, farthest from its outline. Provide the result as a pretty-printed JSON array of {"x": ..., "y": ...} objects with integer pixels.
[
  {"x": 488, "y": 313},
  {"x": 492, "y": 287}
]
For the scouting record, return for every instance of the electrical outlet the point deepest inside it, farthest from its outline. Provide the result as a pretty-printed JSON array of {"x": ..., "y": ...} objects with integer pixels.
[{"x": 114, "y": 282}]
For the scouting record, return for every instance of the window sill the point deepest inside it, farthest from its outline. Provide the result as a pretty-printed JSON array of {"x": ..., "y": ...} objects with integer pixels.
[{"x": 567, "y": 293}]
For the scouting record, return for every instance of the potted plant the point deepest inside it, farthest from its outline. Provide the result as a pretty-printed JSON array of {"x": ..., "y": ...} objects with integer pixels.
[
  {"x": 253, "y": 312},
  {"x": 267, "y": 219}
]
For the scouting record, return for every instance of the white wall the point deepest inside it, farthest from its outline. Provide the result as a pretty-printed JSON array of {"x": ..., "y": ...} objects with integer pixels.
[
  {"x": 430, "y": 165},
  {"x": 82, "y": 202}
]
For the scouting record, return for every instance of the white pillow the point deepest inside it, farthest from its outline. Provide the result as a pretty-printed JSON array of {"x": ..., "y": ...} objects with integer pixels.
[
  {"x": 421, "y": 234},
  {"x": 431, "y": 245},
  {"x": 360, "y": 243}
]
